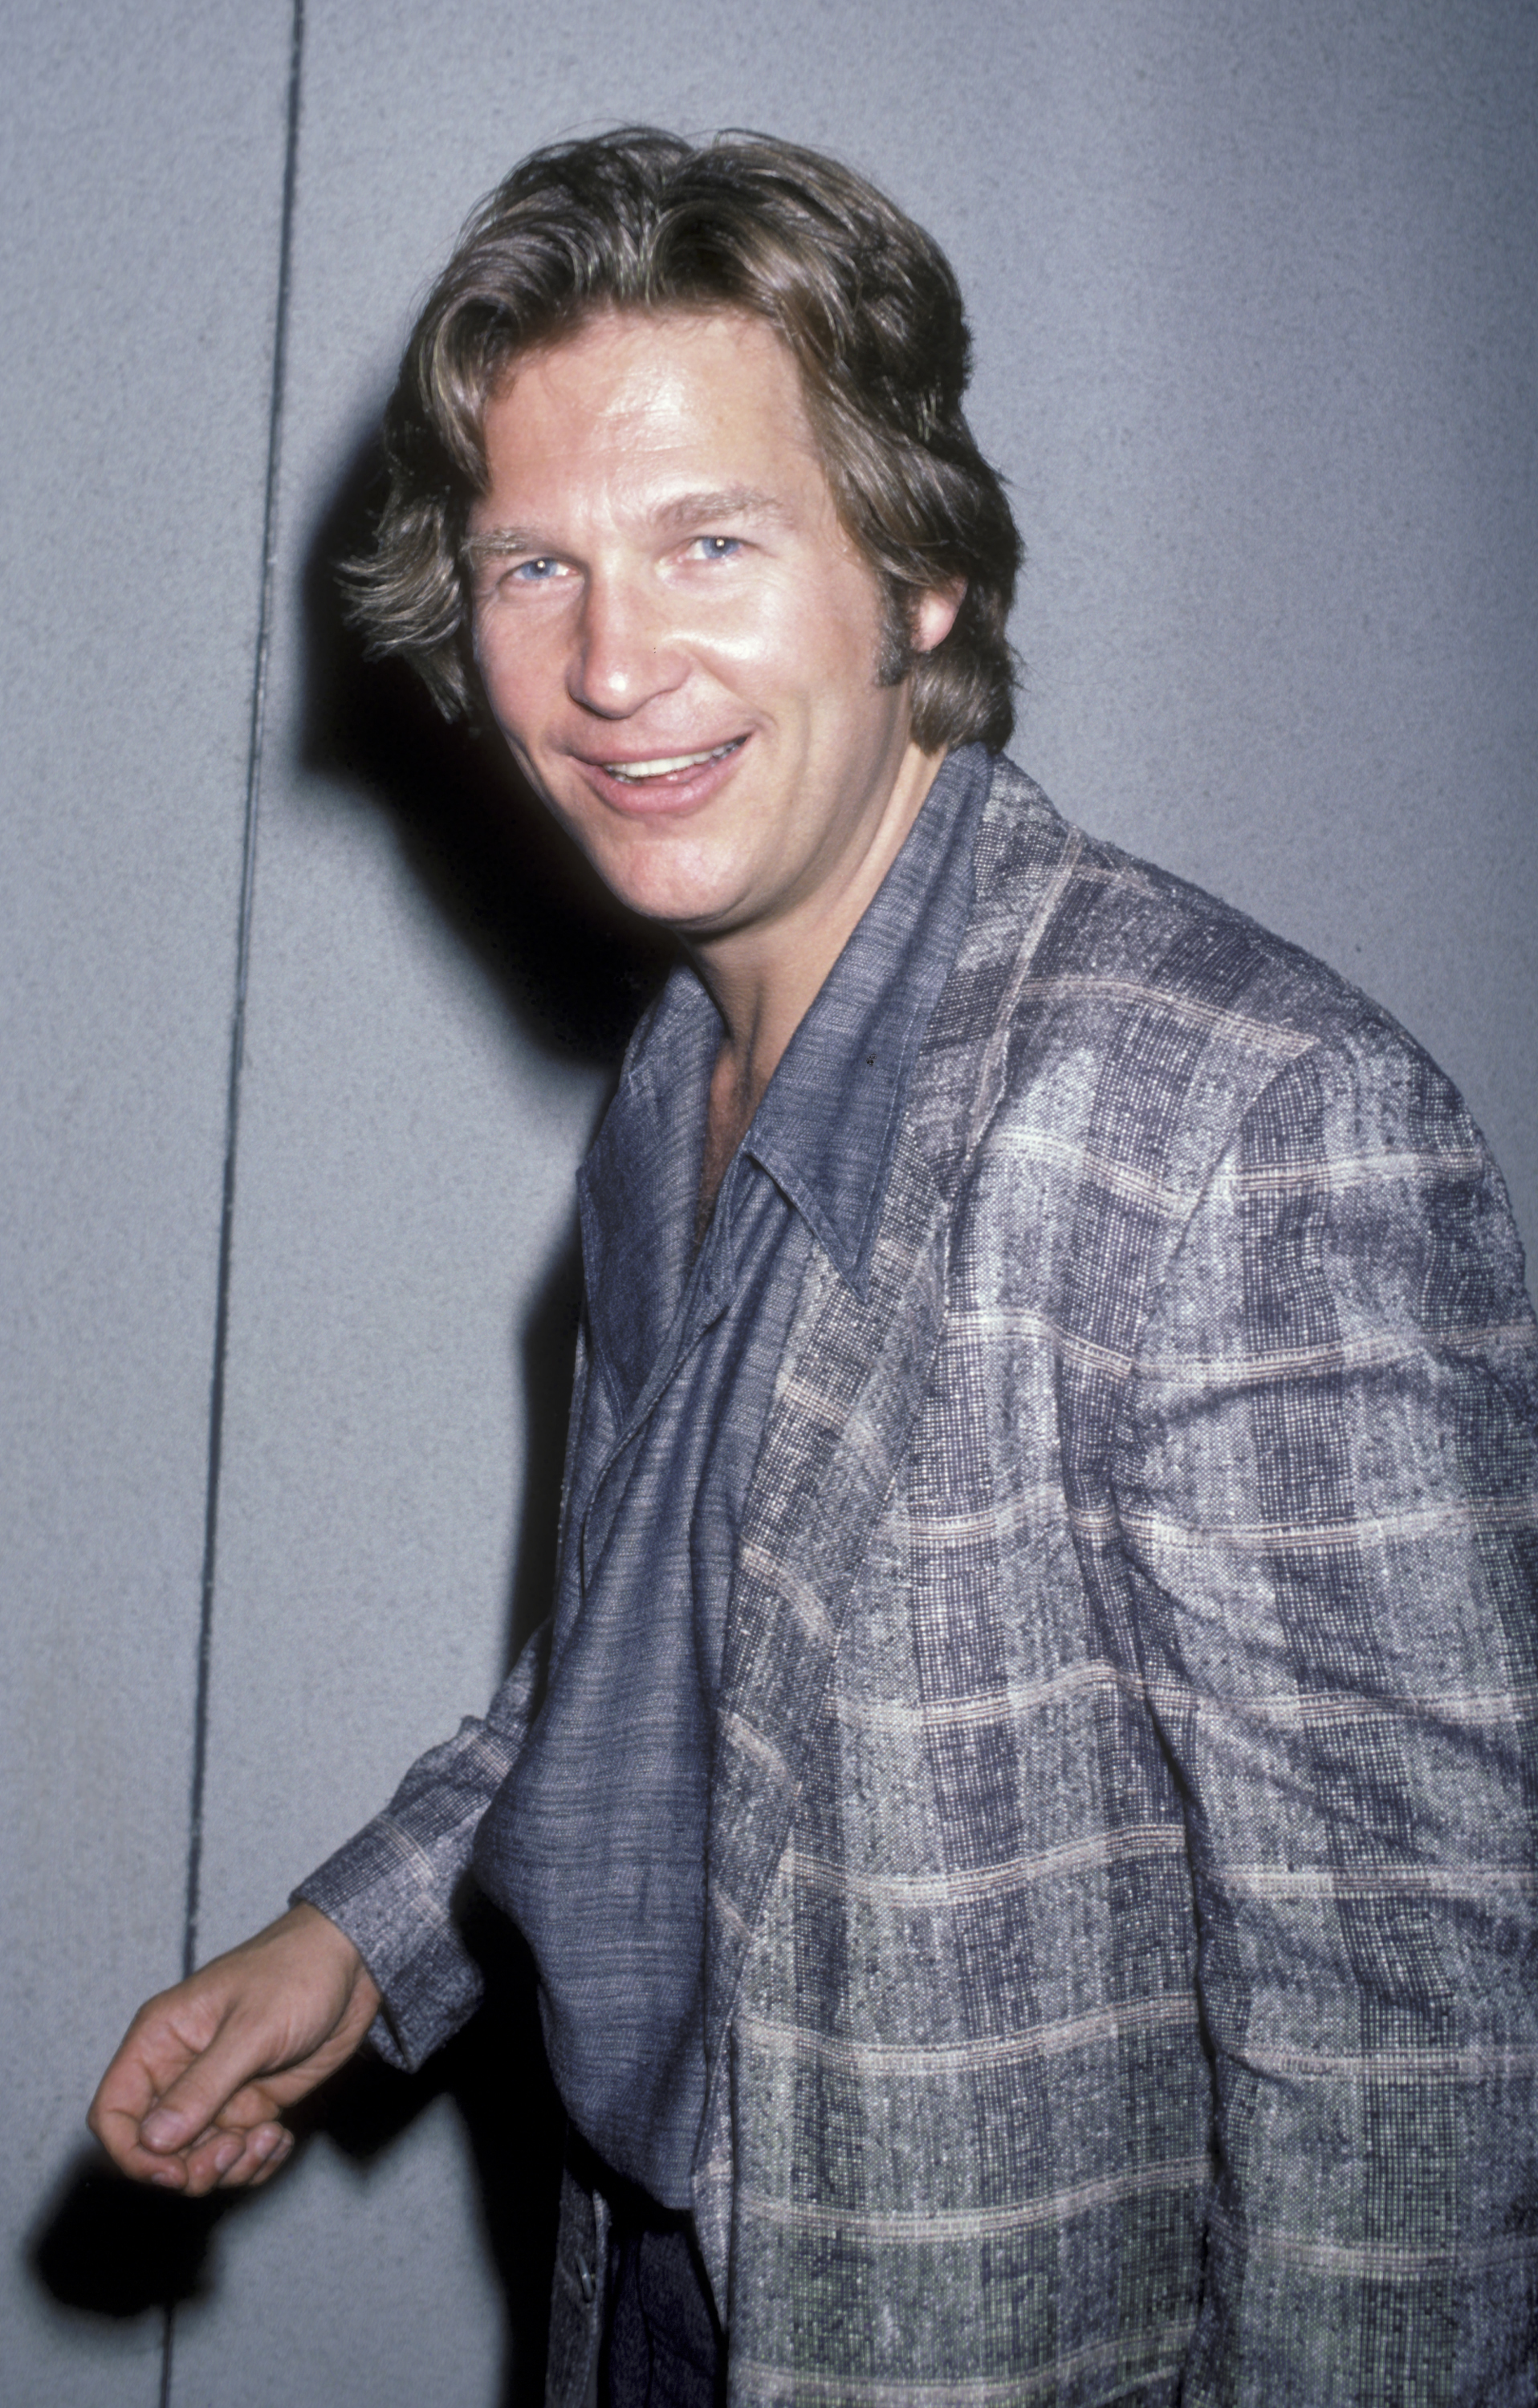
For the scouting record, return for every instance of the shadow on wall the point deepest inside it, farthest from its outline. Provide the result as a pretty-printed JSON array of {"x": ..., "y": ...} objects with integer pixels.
[
  {"x": 573, "y": 968},
  {"x": 113, "y": 2249},
  {"x": 573, "y": 971}
]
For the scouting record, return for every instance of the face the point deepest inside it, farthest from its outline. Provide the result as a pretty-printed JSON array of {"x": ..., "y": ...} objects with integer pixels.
[{"x": 676, "y": 636}]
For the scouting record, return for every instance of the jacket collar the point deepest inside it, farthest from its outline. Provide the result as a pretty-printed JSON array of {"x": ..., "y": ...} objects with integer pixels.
[{"x": 826, "y": 1129}]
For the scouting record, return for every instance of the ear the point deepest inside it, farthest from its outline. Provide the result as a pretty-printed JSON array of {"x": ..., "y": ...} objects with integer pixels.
[{"x": 934, "y": 615}]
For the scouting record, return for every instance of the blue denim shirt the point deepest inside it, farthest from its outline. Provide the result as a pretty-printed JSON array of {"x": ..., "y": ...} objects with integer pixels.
[{"x": 595, "y": 1843}]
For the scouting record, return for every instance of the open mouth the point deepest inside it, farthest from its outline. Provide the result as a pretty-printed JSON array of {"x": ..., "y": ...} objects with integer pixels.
[{"x": 636, "y": 773}]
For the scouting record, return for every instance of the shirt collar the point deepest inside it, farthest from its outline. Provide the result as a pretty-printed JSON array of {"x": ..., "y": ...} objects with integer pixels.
[
  {"x": 637, "y": 1189},
  {"x": 827, "y": 1125}
]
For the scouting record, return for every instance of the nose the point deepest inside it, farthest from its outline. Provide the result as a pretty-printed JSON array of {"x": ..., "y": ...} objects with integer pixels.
[{"x": 627, "y": 651}]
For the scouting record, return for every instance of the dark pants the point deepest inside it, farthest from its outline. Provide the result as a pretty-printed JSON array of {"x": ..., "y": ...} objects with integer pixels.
[{"x": 664, "y": 2347}]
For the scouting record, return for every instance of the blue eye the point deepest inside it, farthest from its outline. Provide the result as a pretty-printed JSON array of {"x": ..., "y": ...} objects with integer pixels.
[
  {"x": 535, "y": 572},
  {"x": 719, "y": 547}
]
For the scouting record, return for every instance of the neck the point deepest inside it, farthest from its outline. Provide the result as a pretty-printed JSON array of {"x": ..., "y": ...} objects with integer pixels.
[{"x": 764, "y": 980}]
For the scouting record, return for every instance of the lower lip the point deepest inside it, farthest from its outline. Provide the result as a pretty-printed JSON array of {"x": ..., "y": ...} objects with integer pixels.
[{"x": 679, "y": 790}]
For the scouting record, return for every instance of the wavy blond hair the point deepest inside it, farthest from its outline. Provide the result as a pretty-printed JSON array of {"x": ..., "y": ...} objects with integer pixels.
[{"x": 866, "y": 303}]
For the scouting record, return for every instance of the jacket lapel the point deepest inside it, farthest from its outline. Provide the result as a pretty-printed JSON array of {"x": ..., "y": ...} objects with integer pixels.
[
  {"x": 853, "y": 1377},
  {"x": 852, "y": 1381},
  {"x": 851, "y": 1384}
]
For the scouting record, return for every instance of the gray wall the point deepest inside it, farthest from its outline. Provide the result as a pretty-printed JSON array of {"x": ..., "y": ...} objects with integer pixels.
[{"x": 1253, "y": 299}]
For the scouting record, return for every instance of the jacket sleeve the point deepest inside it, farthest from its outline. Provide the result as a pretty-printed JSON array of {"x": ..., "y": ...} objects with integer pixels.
[
  {"x": 392, "y": 1887},
  {"x": 1328, "y": 1481}
]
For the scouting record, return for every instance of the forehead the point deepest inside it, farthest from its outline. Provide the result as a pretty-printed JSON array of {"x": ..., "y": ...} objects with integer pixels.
[
  {"x": 695, "y": 340},
  {"x": 637, "y": 393}
]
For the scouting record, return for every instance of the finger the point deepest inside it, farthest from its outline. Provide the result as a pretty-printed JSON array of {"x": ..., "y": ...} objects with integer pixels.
[
  {"x": 226, "y": 2154},
  {"x": 273, "y": 2160},
  {"x": 228, "y": 2160},
  {"x": 119, "y": 2134},
  {"x": 218, "y": 2088},
  {"x": 209, "y": 2159},
  {"x": 129, "y": 2090},
  {"x": 164, "y": 2039},
  {"x": 239, "y": 2161}
]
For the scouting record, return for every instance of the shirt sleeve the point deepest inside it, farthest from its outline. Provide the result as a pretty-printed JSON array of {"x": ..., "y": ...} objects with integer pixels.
[{"x": 1328, "y": 1486}]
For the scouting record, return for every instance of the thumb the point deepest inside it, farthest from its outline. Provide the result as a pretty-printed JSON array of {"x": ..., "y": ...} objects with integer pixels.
[{"x": 198, "y": 2097}]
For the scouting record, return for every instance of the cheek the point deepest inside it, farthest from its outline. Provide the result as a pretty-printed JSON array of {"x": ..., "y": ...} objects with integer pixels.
[
  {"x": 844, "y": 641},
  {"x": 799, "y": 645},
  {"x": 517, "y": 683}
]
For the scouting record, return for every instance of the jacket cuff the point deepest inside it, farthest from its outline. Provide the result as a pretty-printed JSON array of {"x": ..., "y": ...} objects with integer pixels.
[{"x": 380, "y": 1888}]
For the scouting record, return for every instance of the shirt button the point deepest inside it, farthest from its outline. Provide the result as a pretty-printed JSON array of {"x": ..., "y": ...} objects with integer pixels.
[{"x": 584, "y": 2281}]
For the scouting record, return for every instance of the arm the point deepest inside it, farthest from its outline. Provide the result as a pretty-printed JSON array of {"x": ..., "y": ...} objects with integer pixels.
[
  {"x": 192, "y": 2097},
  {"x": 391, "y": 1888},
  {"x": 368, "y": 1950},
  {"x": 1328, "y": 1492}
]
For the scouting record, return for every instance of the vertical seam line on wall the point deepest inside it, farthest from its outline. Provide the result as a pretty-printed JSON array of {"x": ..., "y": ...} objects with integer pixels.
[{"x": 237, "y": 1040}]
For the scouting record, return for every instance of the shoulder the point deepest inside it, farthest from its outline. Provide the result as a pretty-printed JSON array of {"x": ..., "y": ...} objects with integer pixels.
[
  {"x": 1143, "y": 980},
  {"x": 1134, "y": 1083},
  {"x": 1116, "y": 1030},
  {"x": 1120, "y": 936}
]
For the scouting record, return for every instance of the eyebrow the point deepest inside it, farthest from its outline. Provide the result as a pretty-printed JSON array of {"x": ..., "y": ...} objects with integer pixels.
[
  {"x": 685, "y": 511},
  {"x": 728, "y": 502},
  {"x": 496, "y": 543}
]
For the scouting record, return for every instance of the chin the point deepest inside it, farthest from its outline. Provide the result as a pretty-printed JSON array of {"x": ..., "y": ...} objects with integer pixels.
[
  {"x": 685, "y": 915},
  {"x": 690, "y": 904}
]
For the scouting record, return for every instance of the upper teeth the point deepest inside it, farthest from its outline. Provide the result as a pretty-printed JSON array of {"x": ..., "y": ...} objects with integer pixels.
[{"x": 661, "y": 768}]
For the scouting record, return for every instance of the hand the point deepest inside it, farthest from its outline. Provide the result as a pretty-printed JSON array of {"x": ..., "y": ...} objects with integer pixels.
[{"x": 192, "y": 2097}]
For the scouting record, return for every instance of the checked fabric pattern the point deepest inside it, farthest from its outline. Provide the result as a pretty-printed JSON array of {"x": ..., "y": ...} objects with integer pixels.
[{"x": 1120, "y": 1979}]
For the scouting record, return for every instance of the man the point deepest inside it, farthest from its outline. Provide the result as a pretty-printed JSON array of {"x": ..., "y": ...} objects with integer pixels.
[{"x": 1024, "y": 1808}]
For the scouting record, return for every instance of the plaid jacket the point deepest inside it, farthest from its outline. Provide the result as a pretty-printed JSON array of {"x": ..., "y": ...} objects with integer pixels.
[{"x": 1120, "y": 1963}]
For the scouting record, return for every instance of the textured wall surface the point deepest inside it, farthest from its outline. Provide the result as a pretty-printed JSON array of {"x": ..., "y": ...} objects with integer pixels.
[{"x": 1252, "y": 292}]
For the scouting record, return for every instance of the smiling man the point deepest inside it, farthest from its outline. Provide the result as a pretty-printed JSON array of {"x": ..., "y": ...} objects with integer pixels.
[
  {"x": 687, "y": 670},
  {"x": 1023, "y": 1807}
]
